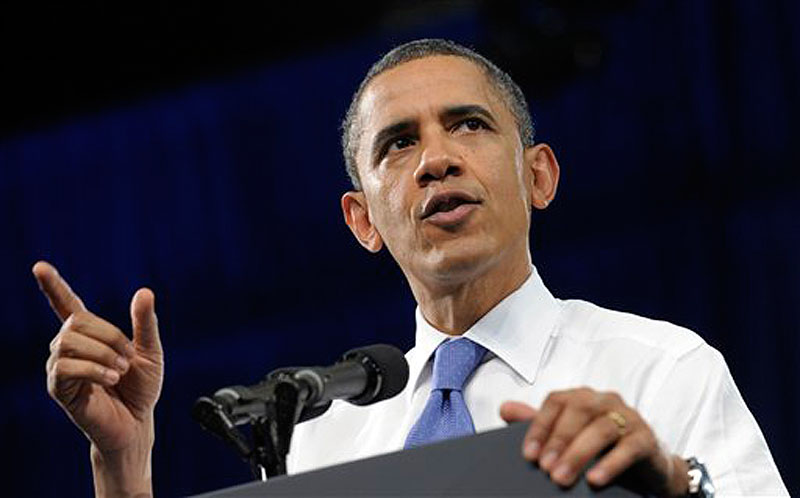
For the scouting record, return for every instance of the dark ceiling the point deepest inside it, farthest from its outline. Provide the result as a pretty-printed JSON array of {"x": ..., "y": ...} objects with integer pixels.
[{"x": 67, "y": 58}]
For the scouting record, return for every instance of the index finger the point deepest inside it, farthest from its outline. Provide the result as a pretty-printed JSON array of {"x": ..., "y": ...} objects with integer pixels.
[{"x": 63, "y": 301}]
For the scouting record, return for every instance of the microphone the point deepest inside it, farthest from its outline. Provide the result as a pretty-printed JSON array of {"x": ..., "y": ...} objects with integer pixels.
[
  {"x": 362, "y": 376},
  {"x": 288, "y": 396}
]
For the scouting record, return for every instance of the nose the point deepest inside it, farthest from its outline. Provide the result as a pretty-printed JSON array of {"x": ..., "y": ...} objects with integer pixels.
[{"x": 438, "y": 160}]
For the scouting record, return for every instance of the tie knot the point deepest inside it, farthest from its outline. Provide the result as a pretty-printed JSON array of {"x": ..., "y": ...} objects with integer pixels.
[{"x": 454, "y": 362}]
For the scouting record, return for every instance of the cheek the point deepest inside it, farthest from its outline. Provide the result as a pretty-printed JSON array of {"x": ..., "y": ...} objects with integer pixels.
[
  {"x": 503, "y": 173},
  {"x": 388, "y": 206},
  {"x": 505, "y": 184}
]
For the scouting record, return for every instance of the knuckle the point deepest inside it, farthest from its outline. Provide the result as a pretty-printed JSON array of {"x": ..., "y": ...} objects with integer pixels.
[
  {"x": 57, "y": 370},
  {"x": 55, "y": 344},
  {"x": 120, "y": 340},
  {"x": 635, "y": 446},
  {"x": 614, "y": 397},
  {"x": 63, "y": 346},
  {"x": 542, "y": 427},
  {"x": 110, "y": 358},
  {"x": 555, "y": 398},
  {"x": 574, "y": 459},
  {"x": 537, "y": 432},
  {"x": 67, "y": 346},
  {"x": 648, "y": 441},
  {"x": 609, "y": 400},
  {"x": 610, "y": 430},
  {"x": 80, "y": 321},
  {"x": 585, "y": 396},
  {"x": 557, "y": 442}
]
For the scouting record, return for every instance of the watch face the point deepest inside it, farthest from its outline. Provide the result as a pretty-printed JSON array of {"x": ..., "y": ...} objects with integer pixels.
[
  {"x": 695, "y": 477},
  {"x": 699, "y": 481}
]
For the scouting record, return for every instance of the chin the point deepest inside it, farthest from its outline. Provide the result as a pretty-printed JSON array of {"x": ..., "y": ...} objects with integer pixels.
[{"x": 459, "y": 260}]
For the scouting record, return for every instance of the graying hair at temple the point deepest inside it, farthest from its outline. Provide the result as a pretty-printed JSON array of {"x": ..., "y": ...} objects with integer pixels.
[{"x": 418, "y": 49}]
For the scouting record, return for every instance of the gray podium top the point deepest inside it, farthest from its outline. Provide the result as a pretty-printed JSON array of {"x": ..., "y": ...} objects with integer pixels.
[{"x": 487, "y": 464}]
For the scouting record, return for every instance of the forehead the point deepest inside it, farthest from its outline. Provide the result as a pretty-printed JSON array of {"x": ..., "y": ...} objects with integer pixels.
[{"x": 426, "y": 84}]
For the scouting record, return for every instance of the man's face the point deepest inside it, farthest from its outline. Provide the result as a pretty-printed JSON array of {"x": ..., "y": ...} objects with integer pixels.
[{"x": 442, "y": 168}]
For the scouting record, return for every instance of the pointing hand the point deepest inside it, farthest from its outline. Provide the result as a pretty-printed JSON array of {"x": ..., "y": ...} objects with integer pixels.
[{"x": 107, "y": 384}]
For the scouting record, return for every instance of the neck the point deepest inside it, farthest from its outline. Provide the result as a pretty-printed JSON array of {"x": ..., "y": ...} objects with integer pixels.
[{"x": 452, "y": 306}]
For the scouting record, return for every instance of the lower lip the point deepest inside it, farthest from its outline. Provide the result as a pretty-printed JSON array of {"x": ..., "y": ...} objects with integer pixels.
[{"x": 447, "y": 219}]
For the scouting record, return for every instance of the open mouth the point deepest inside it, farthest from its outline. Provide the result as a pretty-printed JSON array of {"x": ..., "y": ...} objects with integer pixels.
[{"x": 446, "y": 202}]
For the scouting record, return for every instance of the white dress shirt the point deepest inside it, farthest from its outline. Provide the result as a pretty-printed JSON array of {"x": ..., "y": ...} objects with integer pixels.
[{"x": 537, "y": 344}]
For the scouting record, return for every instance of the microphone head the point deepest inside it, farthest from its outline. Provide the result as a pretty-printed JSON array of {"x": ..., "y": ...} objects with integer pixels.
[{"x": 387, "y": 372}]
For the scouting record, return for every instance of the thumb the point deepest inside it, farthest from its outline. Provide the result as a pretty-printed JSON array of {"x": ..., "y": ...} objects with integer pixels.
[
  {"x": 145, "y": 322},
  {"x": 515, "y": 411}
]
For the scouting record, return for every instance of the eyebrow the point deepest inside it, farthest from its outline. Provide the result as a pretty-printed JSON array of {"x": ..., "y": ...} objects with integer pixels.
[
  {"x": 461, "y": 111},
  {"x": 405, "y": 125}
]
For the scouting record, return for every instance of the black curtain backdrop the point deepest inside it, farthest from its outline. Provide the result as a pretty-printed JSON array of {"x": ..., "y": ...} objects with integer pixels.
[{"x": 675, "y": 131}]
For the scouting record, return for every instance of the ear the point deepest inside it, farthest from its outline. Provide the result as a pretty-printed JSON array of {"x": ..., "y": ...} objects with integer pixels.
[
  {"x": 542, "y": 173},
  {"x": 356, "y": 215}
]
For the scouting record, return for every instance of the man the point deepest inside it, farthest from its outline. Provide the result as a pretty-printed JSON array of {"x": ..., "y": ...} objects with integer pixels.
[{"x": 439, "y": 145}]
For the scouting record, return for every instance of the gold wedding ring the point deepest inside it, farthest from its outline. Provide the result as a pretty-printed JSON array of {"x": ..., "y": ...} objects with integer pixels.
[{"x": 619, "y": 420}]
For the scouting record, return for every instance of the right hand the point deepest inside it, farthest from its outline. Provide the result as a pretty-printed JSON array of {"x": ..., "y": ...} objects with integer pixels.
[{"x": 107, "y": 384}]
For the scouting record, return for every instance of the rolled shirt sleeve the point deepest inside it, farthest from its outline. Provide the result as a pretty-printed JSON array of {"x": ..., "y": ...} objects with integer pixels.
[{"x": 699, "y": 412}]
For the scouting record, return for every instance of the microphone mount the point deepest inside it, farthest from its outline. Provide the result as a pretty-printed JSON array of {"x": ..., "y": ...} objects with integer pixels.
[
  {"x": 272, "y": 409},
  {"x": 288, "y": 396}
]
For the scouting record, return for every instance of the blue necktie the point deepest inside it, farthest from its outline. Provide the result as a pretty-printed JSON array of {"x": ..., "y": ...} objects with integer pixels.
[{"x": 446, "y": 415}]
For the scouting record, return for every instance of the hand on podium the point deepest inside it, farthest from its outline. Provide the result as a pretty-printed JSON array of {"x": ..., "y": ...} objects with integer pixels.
[
  {"x": 574, "y": 426},
  {"x": 107, "y": 384}
]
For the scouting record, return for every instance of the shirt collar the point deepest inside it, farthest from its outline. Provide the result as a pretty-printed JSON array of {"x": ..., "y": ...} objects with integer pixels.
[{"x": 516, "y": 330}]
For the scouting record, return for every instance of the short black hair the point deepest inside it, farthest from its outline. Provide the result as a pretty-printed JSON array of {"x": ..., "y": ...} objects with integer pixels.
[{"x": 418, "y": 49}]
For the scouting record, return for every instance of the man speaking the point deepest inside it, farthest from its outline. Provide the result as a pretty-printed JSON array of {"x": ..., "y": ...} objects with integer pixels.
[{"x": 439, "y": 146}]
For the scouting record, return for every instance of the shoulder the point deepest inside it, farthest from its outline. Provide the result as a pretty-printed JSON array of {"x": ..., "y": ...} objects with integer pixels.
[{"x": 587, "y": 323}]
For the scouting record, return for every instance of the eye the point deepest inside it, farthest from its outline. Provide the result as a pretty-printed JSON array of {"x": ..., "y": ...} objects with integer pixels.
[
  {"x": 472, "y": 124},
  {"x": 399, "y": 143}
]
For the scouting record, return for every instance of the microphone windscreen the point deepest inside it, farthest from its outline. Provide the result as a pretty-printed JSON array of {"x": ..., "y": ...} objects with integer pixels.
[{"x": 386, "y": 365}]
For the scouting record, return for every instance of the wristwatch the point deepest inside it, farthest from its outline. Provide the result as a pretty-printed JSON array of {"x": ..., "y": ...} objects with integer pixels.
[{"x": 700, "y": 485}]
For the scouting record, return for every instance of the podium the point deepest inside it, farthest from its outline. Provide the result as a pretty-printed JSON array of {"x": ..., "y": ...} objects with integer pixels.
[{"x": 486, "y": 464}]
